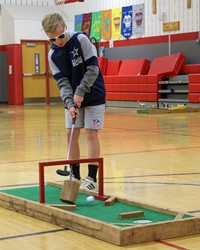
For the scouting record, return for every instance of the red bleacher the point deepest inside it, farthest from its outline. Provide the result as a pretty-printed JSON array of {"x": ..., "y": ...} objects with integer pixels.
[
  {"x": 167, "y": 66},
  {"x": 102, "y": 61},
  {"x": 190, "y": 69},
  {"x": 137, "y": 80},
  {"x": 194, "y": 87},
  {"x": 134, "y": 67}
]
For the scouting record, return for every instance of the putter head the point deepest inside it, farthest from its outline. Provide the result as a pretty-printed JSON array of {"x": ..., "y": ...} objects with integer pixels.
[{"x": 62, "y": 172}]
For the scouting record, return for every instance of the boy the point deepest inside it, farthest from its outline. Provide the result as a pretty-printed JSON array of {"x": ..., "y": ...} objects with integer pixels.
[{"x": 74, "y": 64}]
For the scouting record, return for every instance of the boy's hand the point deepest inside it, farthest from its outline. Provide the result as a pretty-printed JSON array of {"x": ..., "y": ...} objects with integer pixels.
[
  {"x": 74, "y": 112},
  {"x": 78, "y": 100}
]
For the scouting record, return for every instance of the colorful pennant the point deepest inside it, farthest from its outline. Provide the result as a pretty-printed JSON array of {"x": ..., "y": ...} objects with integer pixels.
[
  {"x": 106, "y": 25},
  {"x": 95, "y": 31},
  {"x": 127, "y": 21},
  {"x": 116, "y": 23}
]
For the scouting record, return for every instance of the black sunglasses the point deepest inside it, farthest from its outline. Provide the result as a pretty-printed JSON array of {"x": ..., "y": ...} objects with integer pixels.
[{"x": 54, "y": 39}]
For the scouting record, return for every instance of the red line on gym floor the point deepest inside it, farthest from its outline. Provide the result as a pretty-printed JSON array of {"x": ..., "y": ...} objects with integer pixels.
[{"x": 171, "y": 245}]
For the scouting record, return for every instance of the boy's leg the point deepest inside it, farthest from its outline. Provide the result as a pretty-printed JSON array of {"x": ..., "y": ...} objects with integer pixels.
[{"x": 94, "y": 118}]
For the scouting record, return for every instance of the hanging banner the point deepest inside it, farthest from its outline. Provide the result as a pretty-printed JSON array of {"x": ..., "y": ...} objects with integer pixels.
[
  {"x": 95, "y": 31},
  {"x": 106, "y": 25},
  {"x": 78, "y": 22},
  {"x": 116, "y": 23},
  {"x": 86, "y": 25},
  {"x": 127, "y": 17},
  {"x": 138, "y": 20}
]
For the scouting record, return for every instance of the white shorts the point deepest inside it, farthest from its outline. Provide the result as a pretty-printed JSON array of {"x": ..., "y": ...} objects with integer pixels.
[{"x": 90, "y": 117}]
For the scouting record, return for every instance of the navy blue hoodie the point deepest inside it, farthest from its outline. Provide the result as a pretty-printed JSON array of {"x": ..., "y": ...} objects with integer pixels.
[{"x": 75, "y": 68}]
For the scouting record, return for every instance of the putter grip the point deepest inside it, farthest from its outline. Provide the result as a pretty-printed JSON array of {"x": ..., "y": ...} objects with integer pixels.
[{"x": 74, "y": 119}]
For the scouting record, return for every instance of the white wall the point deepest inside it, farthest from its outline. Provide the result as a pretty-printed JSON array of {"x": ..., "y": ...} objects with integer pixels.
[
  {"x": 175, "y": 10},
  {"x": 28, "y": 2},
  {"x": 22, "y": 22},
  {"x": 7, "y": 27},
  {"x": 21, "y": 19}
]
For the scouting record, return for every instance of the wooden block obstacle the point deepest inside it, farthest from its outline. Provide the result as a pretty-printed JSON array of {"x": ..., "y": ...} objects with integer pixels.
[
  {"x": 64, "y": 207},
  {"x": 179, "y": 216},
  {"x": 69, "y": 191},
  {"x": 110, "y": 201},
  {"x": 134, "y": 214}
]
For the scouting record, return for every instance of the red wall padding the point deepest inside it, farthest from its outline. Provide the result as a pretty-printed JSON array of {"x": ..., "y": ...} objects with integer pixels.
[
  {"x": 153, "y": 40},
  {"x": 15, "y": 81},
  {"x": 2, "y": 47}
]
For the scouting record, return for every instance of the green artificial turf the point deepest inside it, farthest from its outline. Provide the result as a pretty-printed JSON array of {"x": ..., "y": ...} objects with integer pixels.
[{"x": 95, "y": 210}]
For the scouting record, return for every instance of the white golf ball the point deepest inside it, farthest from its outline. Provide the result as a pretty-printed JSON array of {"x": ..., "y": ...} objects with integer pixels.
[{"x": 90, "y": 199}]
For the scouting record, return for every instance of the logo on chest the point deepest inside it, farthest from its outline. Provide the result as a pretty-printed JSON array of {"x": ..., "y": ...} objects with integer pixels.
[{"x": 76, "y": 59}]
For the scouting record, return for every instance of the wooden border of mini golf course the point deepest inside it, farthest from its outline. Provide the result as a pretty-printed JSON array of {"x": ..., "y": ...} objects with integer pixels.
[{"x": 114, "y": 234}]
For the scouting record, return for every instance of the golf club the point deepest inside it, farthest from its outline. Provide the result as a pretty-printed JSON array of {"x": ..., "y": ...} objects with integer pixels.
[{"x": 65, "y": 172}]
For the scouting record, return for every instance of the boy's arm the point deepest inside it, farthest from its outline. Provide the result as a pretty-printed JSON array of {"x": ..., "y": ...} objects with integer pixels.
[
  {"x": 63, "y": 84},
  {"x": 66, "y": 92},
  {"x": 90, "y": 57}
]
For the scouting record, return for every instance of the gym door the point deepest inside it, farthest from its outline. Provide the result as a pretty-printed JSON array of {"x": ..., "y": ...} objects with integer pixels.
[{"x": 34, "y": 71}]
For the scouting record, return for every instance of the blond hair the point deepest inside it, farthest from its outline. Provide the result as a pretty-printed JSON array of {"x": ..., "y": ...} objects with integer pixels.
[{"x": 52, "y": 21}]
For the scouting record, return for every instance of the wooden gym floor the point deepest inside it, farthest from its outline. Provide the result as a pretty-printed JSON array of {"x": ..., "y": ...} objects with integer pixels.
[{"x": 149, "y": 158}]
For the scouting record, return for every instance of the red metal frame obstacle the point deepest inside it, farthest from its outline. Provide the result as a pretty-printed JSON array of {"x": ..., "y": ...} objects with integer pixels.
[{"x": 42, "y": 165}]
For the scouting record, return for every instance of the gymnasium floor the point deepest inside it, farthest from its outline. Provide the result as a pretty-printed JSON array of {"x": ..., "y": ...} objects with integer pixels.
[{"x": 152, "y": 159}]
